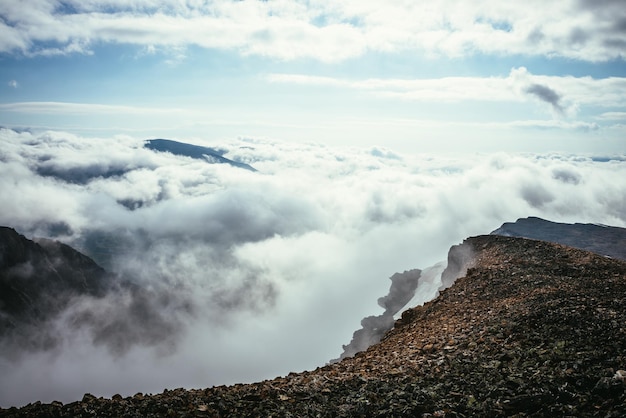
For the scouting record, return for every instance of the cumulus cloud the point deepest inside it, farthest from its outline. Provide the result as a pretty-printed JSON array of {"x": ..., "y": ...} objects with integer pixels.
[
  {"x": 256, "y": 274},
  {"x": 324, "y": 30}
]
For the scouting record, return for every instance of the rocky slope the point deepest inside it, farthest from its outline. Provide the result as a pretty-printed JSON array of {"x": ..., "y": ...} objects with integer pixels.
[{"x": 532, "y": 329}]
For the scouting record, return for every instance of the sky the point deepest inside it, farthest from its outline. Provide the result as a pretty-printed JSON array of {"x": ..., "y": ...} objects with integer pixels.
[
  {"x": 381, "y": 136},
  {"x": 443, "y": 76}
]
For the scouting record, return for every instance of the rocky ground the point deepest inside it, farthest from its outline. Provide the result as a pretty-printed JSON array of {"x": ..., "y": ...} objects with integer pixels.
[{"x": 533, "y": 329}]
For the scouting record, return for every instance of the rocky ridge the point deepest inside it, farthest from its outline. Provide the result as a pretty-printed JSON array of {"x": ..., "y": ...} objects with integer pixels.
[{"x": 532, "y": 329}]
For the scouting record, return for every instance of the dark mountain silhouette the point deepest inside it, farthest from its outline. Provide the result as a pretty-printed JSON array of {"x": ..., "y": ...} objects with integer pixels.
[
  {"x": 193, "y": 151},
  {"x": 531, "y": 329},
  {"x": 38, "y": 279}
]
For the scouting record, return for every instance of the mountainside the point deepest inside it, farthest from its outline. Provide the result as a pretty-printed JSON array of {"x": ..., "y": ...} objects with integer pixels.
[
  {"x": 37, "y": 279},
  {"x": 41, "y": 280},
  {"x": 601, "y": 239},
  {"x": 533, "y": 328}
]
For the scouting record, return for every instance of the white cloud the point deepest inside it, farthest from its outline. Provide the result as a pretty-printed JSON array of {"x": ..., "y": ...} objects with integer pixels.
[
  {"x": 325, "y": 30},
  {"x": 514, "y": 87},
  {"x": 13, "y": 83},
  {"x": 612, "y": 116},
  {"x": 280, "y": 264}
]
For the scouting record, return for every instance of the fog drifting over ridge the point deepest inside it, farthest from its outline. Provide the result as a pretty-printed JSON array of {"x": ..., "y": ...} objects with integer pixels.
[{"x": 275, "y": 269}]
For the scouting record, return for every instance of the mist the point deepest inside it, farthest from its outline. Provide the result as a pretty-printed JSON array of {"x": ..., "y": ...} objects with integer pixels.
[{"x": 246, "y": 275}]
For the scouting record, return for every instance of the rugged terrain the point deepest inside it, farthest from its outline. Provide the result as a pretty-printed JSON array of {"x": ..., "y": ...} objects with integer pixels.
[{"x": 532, "y": 329}]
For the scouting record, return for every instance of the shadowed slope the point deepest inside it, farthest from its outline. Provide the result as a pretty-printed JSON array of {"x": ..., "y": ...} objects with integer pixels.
[
  {"x": 37, "y": 279},
  {"x": 42, "y": 280}
]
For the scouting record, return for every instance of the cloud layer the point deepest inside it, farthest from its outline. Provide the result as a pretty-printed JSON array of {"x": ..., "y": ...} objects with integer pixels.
[
  {"x": 266, "y": 272},
  {"x": 323, "y": 30}
]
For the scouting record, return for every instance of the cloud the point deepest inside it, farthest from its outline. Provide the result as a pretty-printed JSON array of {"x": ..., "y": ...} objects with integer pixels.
[
  {"x": 445, "y": 89},
  {"x": 612, "y": 116},
  {"x": 373, "y": 327},
  {"x": 514, "y": 87},
  {"x": 13, "y": 83},
  {"x": 255, "y": 274},
  {"x": 547, "y": 95},
  {"x": 324, "y": 30},
  {"x": 555, "y": 124}
]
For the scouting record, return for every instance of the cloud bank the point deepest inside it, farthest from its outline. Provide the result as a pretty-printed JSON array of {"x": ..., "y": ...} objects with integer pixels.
[
  {"x": 323, "y": 30},
  {"x": 260, "y": 273}
]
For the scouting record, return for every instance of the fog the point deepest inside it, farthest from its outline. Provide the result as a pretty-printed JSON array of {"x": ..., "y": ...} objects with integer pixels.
[{"x": 250, "y": 275}]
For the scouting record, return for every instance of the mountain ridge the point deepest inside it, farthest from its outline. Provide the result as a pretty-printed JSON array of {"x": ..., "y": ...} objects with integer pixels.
[
  {"x": 601, "y": 239},
  {"x": 193, "y": 151}
]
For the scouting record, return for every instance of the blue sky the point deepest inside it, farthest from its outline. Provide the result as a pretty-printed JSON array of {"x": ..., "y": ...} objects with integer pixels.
[{"x": 447, "y": 75}]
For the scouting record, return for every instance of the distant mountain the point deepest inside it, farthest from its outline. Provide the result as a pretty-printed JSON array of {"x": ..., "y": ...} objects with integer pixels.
[
  {"x": 83, "y": 173},
  {"x": 605, "y": 240},
  {"x": 532, "y": 329},
  {"x": 193, "y": 151}
]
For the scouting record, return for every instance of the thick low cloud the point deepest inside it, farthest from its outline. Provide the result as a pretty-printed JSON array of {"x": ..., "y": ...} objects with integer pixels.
[
  {"x": 373, "y": 327},
  {"x": 255, "y": 274}
]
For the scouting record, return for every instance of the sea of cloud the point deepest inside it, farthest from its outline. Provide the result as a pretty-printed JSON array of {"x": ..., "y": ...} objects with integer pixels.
[{"x": 250, "y": 275}]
